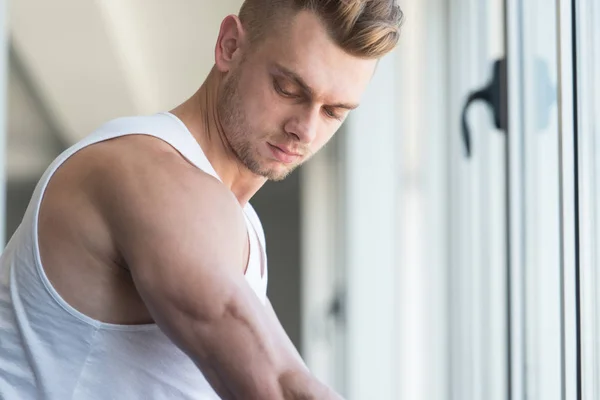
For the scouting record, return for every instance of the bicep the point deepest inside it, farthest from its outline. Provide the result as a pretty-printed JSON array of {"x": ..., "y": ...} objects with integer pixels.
[
  {"x": 214, "y": 317},
  {"x": 186, "y": 259},
  {"x": 184, "y": 250},
  {"x": 219, "y": 322}
]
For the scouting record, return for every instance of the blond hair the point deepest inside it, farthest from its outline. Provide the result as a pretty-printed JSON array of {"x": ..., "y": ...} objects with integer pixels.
[{"x": 364, "y": 28}]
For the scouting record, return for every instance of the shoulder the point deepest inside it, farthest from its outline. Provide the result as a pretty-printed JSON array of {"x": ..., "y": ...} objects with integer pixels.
[
  {"x": 148, "y": 170},
  {"x": 149, "y": 195},
  {"x": 141, "y": 166}
]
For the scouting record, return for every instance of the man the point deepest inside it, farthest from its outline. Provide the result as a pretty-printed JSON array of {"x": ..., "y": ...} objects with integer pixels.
[{"x": 139, "y": 270}]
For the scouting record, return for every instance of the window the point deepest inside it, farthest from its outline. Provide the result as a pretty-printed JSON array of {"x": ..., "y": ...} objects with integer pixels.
[{"x": 588, "y": 138}]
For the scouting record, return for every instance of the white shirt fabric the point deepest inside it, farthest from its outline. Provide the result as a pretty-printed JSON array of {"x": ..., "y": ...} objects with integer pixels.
[{"x": 49, "y": 350}]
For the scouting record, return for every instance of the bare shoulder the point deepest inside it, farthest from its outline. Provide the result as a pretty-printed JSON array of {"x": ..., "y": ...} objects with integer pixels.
[
  {"x": 153, "y": 200},
  {"x": 149, "y": 172},
  {"x": 144, "y": 163},
  {"x": 149, "y": 178}
]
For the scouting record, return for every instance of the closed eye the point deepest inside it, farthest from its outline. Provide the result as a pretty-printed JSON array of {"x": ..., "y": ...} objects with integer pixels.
[
  {"x": 282, "y": 91},
  {"x": 332, "y": 114}
]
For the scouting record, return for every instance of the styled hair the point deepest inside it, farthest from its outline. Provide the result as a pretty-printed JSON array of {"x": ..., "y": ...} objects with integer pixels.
[{"x": 363, "y": 28}]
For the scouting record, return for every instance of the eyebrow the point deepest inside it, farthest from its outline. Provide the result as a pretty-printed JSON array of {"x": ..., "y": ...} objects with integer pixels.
[{"x": 305, "y": 87}]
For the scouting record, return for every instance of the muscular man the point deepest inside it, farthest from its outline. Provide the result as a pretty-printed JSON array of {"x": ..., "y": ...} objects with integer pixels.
[{"x": 139, "y": 269}]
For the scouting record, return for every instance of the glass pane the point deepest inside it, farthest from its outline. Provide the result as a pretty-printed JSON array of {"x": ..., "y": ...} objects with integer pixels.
[
  {"x": 588, "y": 77},
  {"x": 542, "y": 202}
]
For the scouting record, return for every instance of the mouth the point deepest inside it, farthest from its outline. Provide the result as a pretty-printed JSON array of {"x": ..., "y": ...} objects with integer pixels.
[{"x": 283, "y": 154}]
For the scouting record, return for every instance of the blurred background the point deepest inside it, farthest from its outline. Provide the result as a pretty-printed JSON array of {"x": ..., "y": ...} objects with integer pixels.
[{"x": 437, "y": 248}]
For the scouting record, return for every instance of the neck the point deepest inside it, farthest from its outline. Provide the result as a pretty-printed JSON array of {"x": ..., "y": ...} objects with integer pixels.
[{"x": 200, "y": 116}]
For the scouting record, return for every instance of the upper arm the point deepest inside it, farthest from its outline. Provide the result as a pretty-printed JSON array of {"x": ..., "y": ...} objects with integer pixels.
[
  {"x": 183, "y": 236},
  {"x": 180, "y": 232}
]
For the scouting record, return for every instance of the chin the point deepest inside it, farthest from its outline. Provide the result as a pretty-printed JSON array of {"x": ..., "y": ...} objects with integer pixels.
[
  {"x": 277, "y": 174},
  {"x": 270, "y": 169},
  {"x": 277, "y": 178}
]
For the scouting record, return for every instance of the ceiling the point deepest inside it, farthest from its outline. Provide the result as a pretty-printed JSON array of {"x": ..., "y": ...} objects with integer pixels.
[{"x": 91, "y": 61}]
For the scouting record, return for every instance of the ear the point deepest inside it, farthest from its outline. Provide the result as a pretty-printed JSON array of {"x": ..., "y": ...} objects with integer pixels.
[{"x": 231, "y": 37}]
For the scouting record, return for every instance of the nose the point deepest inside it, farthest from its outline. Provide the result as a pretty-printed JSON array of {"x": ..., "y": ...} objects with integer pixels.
[{"x": 304, "y": 125}]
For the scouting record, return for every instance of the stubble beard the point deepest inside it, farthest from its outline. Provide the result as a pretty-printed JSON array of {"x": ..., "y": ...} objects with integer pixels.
[{"x": 233, "y": 121}]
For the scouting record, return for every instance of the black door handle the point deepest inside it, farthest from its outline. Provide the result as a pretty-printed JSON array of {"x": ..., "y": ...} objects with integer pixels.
[{"x": 495, "y": 95}]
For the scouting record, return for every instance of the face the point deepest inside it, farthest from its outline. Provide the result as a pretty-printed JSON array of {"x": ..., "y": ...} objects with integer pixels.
[{"x": 282, "y": 99}]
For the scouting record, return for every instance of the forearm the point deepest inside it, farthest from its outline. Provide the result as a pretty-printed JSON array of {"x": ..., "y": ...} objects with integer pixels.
[
  {"x": 241, "y": 351},
  {"x": 276, "y": 324},
  {"x": 305, "y": 386},
  {"x": 299, "y": 385}
]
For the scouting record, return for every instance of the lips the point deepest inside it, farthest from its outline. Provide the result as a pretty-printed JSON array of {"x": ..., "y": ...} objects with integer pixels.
[{"x": 283, "y": 154}]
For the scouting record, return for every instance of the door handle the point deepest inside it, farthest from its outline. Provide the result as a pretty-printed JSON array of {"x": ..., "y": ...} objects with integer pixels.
[{"x": 495, "y": 96}]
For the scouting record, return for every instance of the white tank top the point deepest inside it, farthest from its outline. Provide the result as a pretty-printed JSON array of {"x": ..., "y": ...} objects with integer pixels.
[{"x": 49, "y": 350}]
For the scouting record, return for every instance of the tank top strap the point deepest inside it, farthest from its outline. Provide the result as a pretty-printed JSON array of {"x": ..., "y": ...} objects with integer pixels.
[{"x": 164, "y": 126}]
